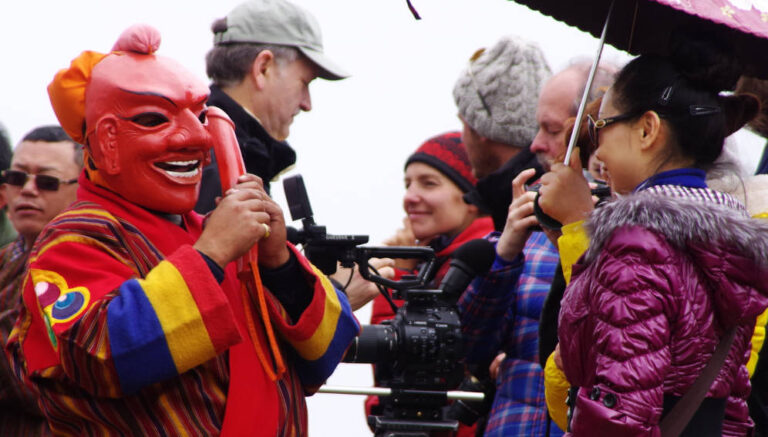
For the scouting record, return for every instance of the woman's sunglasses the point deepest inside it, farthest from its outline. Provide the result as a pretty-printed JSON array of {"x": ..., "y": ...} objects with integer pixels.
[
  {"x": 42, "y": 182},
  {"x": 593, "y": 125}
]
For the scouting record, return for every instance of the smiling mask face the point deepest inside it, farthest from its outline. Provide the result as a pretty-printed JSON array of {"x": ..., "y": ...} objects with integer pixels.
[{"x": 146, "y": 130}]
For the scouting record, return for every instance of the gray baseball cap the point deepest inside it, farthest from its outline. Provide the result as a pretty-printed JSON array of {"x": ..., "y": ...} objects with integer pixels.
[{"x": 282, "y": 23}]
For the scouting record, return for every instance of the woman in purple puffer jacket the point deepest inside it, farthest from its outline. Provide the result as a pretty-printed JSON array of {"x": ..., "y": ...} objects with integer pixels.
[{"x": 672, "y": 265}]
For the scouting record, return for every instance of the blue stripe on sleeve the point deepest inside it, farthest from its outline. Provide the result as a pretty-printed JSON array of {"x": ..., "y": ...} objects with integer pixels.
[{"x": 139, "y": 349}]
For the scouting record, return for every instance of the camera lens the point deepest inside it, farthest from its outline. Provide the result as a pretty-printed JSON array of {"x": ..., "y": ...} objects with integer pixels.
[{"x": 373, "y": 343}]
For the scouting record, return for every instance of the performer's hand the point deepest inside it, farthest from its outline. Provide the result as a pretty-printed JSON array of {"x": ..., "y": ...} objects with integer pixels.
[
  {"x": 520, "y": 218},
  {"x": 565, "y": 193},
  {"x": 273, "y": 250},
  {"x": 237, "y": 223}
]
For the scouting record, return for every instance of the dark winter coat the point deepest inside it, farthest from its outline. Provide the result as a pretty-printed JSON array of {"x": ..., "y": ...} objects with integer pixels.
[
  {"x": 263, "y": 155},
  {"x": 493, "y": 193}
]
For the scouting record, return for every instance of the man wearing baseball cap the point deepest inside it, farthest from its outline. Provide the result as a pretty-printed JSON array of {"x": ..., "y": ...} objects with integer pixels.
[{"x": 265, "y": 53}]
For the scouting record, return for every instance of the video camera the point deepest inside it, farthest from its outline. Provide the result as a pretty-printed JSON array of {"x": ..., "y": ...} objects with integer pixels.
[{"x": 419, "y": 354}]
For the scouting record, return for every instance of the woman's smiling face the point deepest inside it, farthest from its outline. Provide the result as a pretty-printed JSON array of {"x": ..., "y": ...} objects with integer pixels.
[
  {"x": 619, "y": 150},
  {"x": 434, "y": 204}
]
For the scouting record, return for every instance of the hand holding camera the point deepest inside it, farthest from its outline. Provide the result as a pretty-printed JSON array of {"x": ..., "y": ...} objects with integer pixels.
[
  {"x": 565, "y": 194},
  {"x": 520, "y": 219}
]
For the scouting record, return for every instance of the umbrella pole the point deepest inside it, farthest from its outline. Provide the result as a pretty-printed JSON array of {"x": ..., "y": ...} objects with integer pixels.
[{"x": 587, "y": 87}]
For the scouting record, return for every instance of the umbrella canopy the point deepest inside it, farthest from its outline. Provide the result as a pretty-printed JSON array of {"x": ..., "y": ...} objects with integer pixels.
[{"x": 644, "y": 26}]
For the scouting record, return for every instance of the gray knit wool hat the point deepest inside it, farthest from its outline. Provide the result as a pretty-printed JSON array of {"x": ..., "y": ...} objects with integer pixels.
[{"x": 498, "y": 92}]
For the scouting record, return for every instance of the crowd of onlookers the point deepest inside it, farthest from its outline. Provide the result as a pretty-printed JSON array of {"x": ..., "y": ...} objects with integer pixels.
[{"x": 627, "y": 296}]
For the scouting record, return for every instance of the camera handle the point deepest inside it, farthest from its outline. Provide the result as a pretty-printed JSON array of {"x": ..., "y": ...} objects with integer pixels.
[{"x": 365, "y": 253}]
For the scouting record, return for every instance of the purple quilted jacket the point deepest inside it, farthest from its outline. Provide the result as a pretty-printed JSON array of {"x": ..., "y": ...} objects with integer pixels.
[{"x": 664, "y": 278}]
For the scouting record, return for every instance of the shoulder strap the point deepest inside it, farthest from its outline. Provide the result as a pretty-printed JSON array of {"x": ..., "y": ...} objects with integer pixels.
[{"x": 678, "y": 417}]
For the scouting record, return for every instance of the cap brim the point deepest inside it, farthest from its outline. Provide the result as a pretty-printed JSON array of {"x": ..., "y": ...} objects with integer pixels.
[{"x": 328, "y": 69}]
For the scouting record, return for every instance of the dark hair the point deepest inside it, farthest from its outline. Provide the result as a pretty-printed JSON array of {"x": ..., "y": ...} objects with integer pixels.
[
  {"x": 49, "y": 134},
  {"x": 5, "y": 150},
  {"x": 684, "y": 90},
  {"x": 55, "y": 134},
  {"x": 228, "y": 63}
]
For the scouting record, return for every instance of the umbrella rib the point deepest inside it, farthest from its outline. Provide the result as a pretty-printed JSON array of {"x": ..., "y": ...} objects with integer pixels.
[
  {"x": 587, "y": 87},
  {"x": 632, "y": 29}
]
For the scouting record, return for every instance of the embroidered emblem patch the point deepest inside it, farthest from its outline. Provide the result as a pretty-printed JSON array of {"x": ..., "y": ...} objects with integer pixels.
[{"x": 58, "y": 302}]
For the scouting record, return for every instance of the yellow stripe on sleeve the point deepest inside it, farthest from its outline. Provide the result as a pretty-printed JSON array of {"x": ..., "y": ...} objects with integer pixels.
[
  {"x": 316, "y": 345},
  {"x": 182, "y": 323}
]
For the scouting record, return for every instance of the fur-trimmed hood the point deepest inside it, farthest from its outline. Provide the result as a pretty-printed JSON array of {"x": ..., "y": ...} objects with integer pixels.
[
  {"x": 729, "y": 248},
  {"x": 682, "y": 222}
]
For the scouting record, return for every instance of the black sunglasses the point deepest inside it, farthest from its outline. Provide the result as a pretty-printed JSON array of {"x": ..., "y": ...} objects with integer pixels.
[
  {"x": 42, "y": 182},
  {"x": 593, "y": 125}
]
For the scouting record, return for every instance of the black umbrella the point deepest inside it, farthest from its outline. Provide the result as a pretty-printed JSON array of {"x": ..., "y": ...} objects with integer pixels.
[{"x": 644, "y": 26}]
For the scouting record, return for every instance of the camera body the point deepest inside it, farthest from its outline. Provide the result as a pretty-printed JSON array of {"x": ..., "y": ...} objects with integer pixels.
[
  {"x": 419, "y": 353},
  {"x": 420, "y": 349}
]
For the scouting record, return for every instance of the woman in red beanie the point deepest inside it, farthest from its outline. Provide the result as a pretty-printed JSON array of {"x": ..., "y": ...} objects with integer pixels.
[{"x": 437, "y": 175}]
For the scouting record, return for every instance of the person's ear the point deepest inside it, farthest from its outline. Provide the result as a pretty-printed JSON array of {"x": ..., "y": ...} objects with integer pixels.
[
  {"x": 261, "y": 68},
  {"x": 649, "y": 130},
  {"x": 105, "y": 151}
]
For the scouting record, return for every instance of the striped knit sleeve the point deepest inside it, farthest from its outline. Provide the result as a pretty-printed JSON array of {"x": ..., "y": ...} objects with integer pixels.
[
  {"x": 321, "y": 335},
  {"x": 99, "y": 322}
]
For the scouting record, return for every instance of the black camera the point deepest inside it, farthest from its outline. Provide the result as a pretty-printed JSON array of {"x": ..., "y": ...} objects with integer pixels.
[
  {"x": 419, "y": 353},
  {"x": 602, "y": 191}
]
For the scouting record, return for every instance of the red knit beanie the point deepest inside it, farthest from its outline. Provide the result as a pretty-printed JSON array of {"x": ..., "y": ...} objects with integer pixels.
[{"x": 447, "y": 154}]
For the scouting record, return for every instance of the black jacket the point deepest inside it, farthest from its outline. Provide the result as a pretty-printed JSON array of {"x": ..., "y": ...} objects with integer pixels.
[
  {"x": 263, "y": 155},
  {"x": 493, "y": 193}
]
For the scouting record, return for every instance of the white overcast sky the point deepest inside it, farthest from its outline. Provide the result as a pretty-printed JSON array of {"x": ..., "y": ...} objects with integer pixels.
[{"x": 351, "y": 147}]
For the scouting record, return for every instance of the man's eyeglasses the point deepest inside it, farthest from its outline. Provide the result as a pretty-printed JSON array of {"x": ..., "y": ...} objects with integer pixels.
[
  {"x": 593, "y": 125},
  {"x": 42, "y": 182}
]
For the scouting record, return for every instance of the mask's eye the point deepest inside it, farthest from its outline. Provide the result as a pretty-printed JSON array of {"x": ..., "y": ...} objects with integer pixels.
[
  {"x": 149, "y": 119},
  {"x": 203, "y": 116}
]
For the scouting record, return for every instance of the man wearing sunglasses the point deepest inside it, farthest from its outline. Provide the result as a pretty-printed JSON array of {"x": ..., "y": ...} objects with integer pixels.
[
  {"x": 40, "y": 183},
  {"x": 42, "y": 179}
]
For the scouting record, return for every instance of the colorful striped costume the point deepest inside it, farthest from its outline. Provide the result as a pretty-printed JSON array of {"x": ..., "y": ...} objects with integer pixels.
[
  {"x": 126, "y": 331},
  {"x": 19, "y": 414}
]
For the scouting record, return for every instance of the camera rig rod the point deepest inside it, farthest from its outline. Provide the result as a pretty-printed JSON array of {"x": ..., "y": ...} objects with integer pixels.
[{"x": 384, "y": 391}]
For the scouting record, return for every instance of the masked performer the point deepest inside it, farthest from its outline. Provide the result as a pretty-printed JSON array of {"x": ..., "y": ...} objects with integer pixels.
[{"x": 134, "y": 321}]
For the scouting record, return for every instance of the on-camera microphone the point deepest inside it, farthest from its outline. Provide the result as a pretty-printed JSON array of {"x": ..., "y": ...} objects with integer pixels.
[{"x": 471, "y": 259}]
